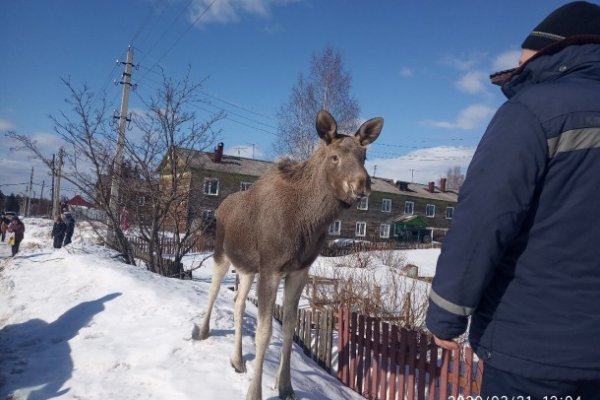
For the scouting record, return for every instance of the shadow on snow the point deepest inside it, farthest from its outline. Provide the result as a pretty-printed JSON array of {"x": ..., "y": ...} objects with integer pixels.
[{"x": 36, "y": 356}]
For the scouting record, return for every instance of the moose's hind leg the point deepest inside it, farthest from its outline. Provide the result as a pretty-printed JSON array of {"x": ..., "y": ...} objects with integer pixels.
[
  {"x": 237, "y": 361},
  {"x": 219, "y": 270}
]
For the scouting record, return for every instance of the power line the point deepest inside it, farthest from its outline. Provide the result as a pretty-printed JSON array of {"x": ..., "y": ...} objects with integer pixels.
[
  {"x": 206, "y": 9},
  {"x": 187, "y": 30},
  {"x": 236, "y": 105},
  {"x": 168, "y": 29},
  {"x": 143, "y": 25}
]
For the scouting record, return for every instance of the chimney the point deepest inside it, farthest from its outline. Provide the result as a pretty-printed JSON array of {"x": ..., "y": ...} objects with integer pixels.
[
  {"x": 431, "y": 187},
  {"x": 443, "y": 185},
  {"x": 218, "y": 154}
]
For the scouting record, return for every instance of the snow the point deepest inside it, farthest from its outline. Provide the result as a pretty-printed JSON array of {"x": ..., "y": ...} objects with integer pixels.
[
  {"x": 75, "y": 323},
  {"x": 425, "y": 259}
]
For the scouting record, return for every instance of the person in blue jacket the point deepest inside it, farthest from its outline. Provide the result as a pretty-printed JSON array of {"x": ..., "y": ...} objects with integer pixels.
[
  {"x": 58, "y": 232},
  {"x": 70, "y": 221},
  {"x": 522, "y": 257}
]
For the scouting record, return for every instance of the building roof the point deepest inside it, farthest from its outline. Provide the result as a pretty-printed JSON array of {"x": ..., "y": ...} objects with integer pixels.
[
  {"x": 411, "y": 189},
  {"x": 79, "y": 201},
  {"x": 228, "y": 164},
  {"x": 251, "y": 167}
]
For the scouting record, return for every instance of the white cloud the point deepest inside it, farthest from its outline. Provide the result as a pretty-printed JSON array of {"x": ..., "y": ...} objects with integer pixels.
[
  {"x": 473, "y": 82},
  {"x": 406, "y": 72},
  {"x": 47, "y": 142},
  {"x": 464, "y": 63},
  {"x": 469, "y": 118},
  {"x": 423, "y": 165},
  {"x": 225, "y": 11},
  {"x": 6, "y": 125},
  {"x": 508, "y": 59}
]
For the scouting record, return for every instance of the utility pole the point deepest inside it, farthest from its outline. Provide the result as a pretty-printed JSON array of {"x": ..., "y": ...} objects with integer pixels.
[
  {"x": 53, "y": 183},
  {"x": 28, "y": 207},
  {"x": 41, "y": 207},
  {"x": 56, "y": 190},
  {"x": 412, "y": 176},
  {"x": 118, "y": 162}
]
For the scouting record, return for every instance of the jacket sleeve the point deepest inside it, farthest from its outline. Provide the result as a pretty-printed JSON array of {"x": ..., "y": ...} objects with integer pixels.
[{"x": 493, "y": 202}]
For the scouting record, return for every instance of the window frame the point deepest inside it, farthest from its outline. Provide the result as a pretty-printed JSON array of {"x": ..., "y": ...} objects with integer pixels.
[
  {"x": 207, "y": 185},
  {"x": 427, "y": 211},
  {"x": 245, "y": 185},
  {"x": 356, "y": 229},
  {"x": 335, "y": 232},
  {"x": 386, "y": 209},
  {"x": 412, "y": 207},
  {"x": 451, "y": 212},
  {"x": 360, "y": 206},
  {"x": 387, "y": 235}
]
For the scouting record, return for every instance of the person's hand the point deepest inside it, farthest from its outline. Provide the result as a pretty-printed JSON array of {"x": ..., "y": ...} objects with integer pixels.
[{"x": 446, "y": 344}]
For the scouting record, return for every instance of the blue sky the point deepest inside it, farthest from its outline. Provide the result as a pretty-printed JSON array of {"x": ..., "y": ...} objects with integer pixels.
[{"x": 423, "y": 66}]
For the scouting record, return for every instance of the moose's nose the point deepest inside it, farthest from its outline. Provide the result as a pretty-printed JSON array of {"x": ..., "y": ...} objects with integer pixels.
[{"x": 362, "y": 186}]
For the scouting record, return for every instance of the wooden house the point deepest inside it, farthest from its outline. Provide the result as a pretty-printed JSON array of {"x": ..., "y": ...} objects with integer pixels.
[{"x": 212, "y": 176}]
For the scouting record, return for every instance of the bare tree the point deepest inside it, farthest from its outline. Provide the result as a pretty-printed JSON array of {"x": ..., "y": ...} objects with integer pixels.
[
  {"x": 326, "y": 87},
  {"x": 171, "y": 133},
  {"x": 455, "y": 178},
  {"x": 155, "y": 168},
  {"x": 85, "y": 130}
]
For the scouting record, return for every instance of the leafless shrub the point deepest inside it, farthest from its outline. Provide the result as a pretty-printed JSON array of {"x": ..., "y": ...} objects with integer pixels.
[{"x": 371, "y": 289}]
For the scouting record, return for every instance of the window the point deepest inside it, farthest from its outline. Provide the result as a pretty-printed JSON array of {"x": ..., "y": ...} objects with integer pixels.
[
  {"x": 335, "y": 228},
  {"x": 430, "y": 210},
  {"x": 245, "y": 186},
  {"x": 386, "y": 205},
  {"x": 211, "y": 186},
  {"x": 141, "y": 200},
  {"x": 449, "y": 212},
  {"x": 361, "y": 229},
  {"x": 409, "y": 207},
  {"x": 363, "y": 204},
  {"x": 384, "y": 231}
]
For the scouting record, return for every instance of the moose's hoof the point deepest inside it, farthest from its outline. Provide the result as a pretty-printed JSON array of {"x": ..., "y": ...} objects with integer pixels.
[
  {"x": 200, "y": 333},
  {"x": 239, "y": 366}
]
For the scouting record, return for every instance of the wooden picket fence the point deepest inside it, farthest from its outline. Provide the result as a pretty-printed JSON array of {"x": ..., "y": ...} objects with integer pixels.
[
  {"x": 168, "y": 245},
  {"x": 314, "y": 333},
  {"x": 383, "y": 361}
]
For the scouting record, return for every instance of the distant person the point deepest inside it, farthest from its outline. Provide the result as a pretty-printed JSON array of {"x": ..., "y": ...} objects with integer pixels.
[
  {"x": 58, "y": 232},
  {"x": 70, "y": 221},
  {"x": 4, "y": 222},
  {"x": 522, "y": 256},
  {"x": 18, "y": 229}
]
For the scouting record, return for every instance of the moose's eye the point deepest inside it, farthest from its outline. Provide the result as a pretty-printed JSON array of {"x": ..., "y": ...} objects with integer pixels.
[{"x": 335, "y": 158}]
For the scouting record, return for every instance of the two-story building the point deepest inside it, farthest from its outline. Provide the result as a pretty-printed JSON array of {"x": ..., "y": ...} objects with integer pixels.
[{"x": 390, "y": 209}]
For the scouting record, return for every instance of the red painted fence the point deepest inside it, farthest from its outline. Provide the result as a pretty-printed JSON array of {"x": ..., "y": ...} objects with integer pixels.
[{"x": 383, "y": 361}]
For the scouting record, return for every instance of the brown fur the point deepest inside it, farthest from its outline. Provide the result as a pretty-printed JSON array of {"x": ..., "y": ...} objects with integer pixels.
[{"x": 278, "y": 227}]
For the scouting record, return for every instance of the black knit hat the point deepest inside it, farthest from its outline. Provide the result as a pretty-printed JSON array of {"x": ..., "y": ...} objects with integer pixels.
[{"x": 573, "y": 19}]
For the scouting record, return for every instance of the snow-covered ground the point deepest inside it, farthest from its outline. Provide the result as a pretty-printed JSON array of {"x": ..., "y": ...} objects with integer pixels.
[{"x": 76, "y": 323}]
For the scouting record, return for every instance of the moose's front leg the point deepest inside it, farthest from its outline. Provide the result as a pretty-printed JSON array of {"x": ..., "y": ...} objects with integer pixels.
[
  {"x": 267, "y": 293},
  {"x": 294, "y": 283}
]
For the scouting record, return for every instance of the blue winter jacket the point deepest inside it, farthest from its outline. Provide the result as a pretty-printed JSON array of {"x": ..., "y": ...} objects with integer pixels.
[{"x": 522, "y": 256}]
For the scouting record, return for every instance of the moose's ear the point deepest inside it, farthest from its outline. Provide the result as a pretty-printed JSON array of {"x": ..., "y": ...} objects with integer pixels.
[
  {"x": 326, "y": 126},
  {"x": 369, "y": 131}
]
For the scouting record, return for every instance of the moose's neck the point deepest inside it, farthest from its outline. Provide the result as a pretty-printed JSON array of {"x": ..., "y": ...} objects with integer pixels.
[{"x": 320, "y": 205}]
